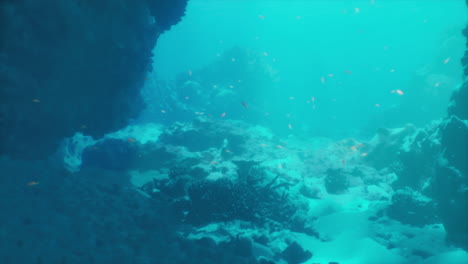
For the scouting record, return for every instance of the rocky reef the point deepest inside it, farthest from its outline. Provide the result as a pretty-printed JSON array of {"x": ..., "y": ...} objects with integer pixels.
[
  {"x": 459, "y": 104},
  {"x": 74, "y": 66}
]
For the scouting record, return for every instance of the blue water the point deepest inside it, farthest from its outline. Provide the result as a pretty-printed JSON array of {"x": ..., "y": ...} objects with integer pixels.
[
  {"x": 255, "y": 132},
  {"x": 385, "y": 45}
]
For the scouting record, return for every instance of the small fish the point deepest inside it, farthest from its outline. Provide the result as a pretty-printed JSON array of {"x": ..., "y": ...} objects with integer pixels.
[
  {"x": 447, "y": 60},
  {"x": 322, "y": 79},
  {"x": 392, "y": 70},
  {"x": 436, "y": 84},
  {"x": 261, "y": 17},
  {"x": 131, "y": 140},
  {"x": 353, "y": 148},
  {"x": 343, "y": 162},
  {"x": 83, "y": 127},
  {"x": 32, "y": 183},
  {"x": 330, "y": 75},
  {"x": 279, "y": 146},
  {"x": 400, "y": 92},
  {"x": 289, "y": 126},
  {"x": 265, "y": 53},
  {"x": 348, "y": 72},
  {"x": 223, "y": 114},
  {"x": 313, "y": 99},
  {"x": 364, "y": 154},
  {"x": 213, "y": 162},
  {"x": 186, "y": 97},
  {"x": 245, "y": 105},
  {"x": 163, "y": 111},
  {"x": 377, "y": 105},
  {"x": 231, "y": 86},
  {"x": 291, "y": 97},
  {"x": 233, "y": 59},
  {"x": 357, "y": 10},
  {"x": 280, "y": 166},
  {"x": 264, "y": 145},
  {"x": 189, "y": 72},
  {"x": 36, "y": 100},
  {"x": 228, "y": 151}
]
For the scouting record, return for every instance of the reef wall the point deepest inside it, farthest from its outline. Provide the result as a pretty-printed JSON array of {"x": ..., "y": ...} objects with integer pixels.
[
  {"x": 69, "y": 66},
  {"x": 459, "y": 104}
]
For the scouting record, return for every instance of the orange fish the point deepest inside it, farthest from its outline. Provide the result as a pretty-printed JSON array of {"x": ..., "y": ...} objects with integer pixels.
[
  {"x": 245, "y": 105},
  {"x": 131, "y": 140},
  {"x": 32, "y": 183}
]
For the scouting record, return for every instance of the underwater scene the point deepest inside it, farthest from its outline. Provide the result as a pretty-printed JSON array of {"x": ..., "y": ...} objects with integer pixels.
[{"x": 234, "y": 132}]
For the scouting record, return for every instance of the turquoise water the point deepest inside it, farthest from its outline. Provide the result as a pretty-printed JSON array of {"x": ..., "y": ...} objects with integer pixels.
[
  {"x": 243, "y": 132},
  {"x": 370, "y": 48}
]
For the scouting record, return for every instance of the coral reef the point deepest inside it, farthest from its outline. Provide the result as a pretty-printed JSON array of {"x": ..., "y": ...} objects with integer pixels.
[
  {"x": 336, "y": 181},
  {"x": 411, "y": 207},
  {"x": 295, "y": 254},
  {"x": 459, "y": 104},
  {"x": 229, "y": 88}
]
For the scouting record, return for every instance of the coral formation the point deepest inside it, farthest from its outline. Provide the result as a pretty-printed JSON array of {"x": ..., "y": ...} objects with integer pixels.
[{"x": 73, "y": 66}]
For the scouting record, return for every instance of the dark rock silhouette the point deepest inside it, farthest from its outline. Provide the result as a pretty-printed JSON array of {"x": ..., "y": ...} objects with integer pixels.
[{"x": 69, "y": 66}]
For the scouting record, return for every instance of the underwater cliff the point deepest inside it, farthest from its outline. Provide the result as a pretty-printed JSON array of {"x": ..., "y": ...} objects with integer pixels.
[{"x": 236, "y": 132}]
